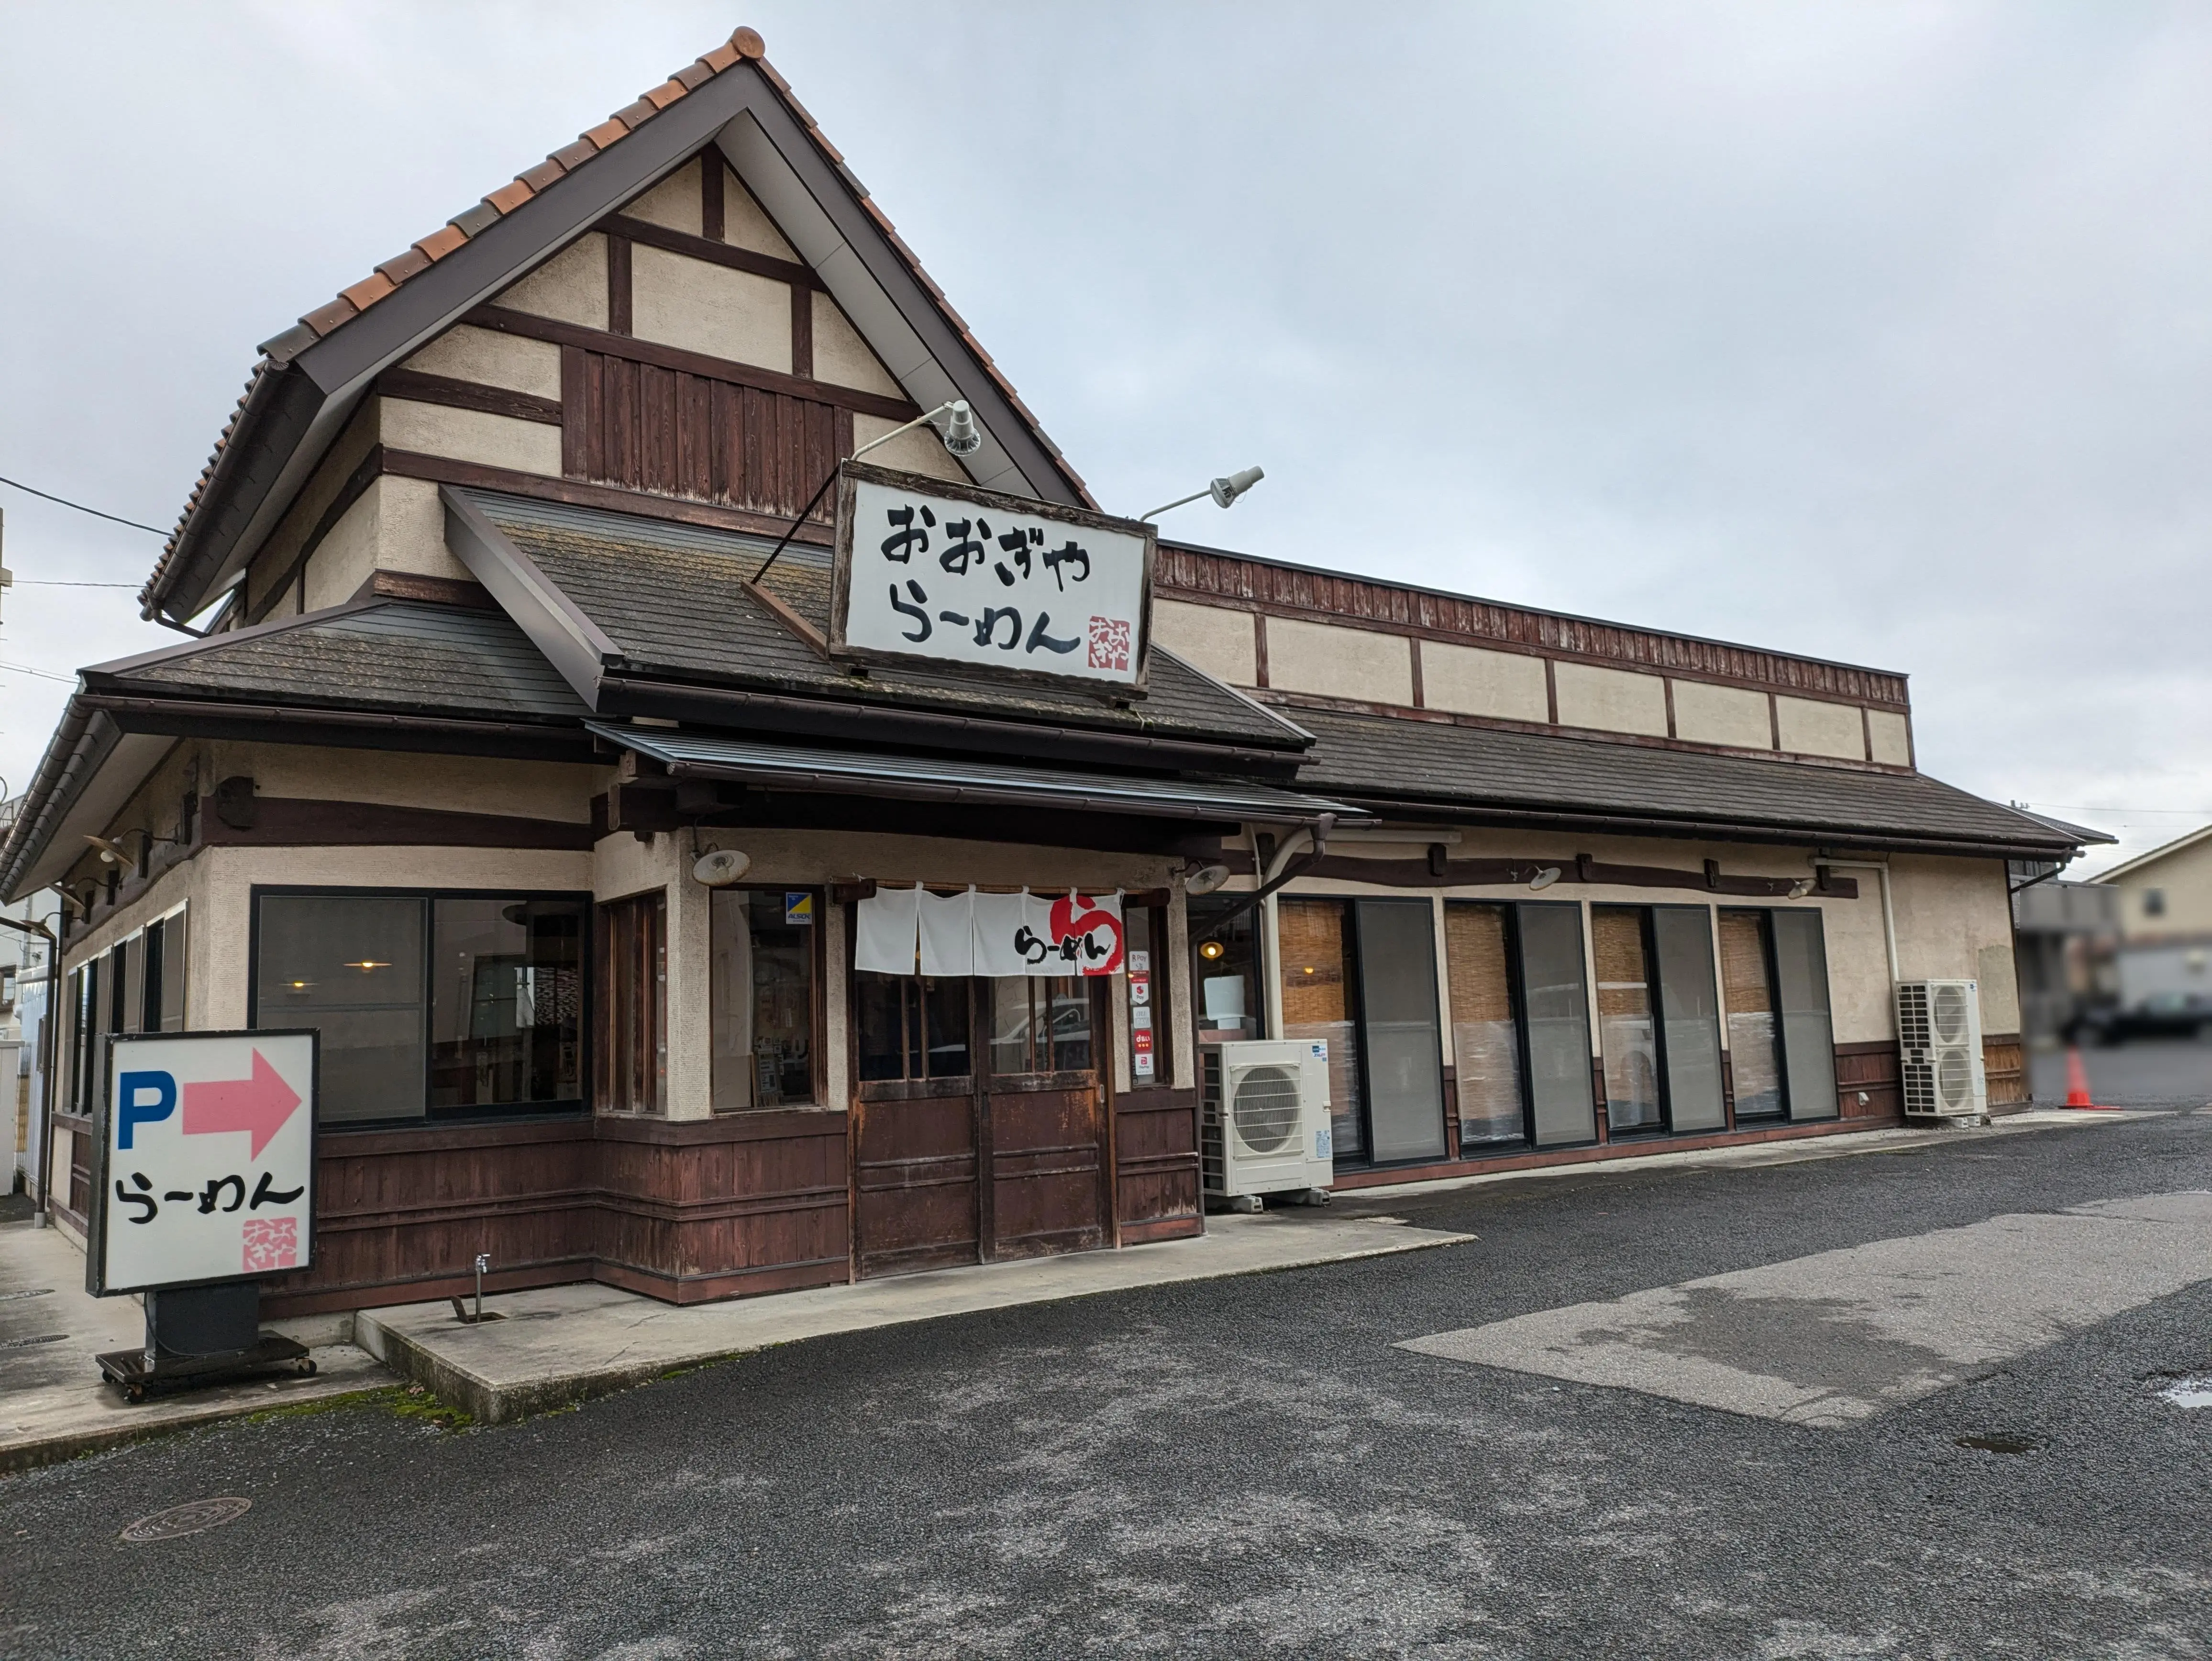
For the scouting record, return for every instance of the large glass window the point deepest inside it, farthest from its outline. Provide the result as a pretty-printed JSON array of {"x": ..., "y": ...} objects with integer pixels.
[
  {"x": 428, "y": 1006},
  {"x": 1225, "y": 970},
  {"x": 1485, "y": 1030},
  {"x": 165, "y": 974},
  {"x": 762, "y": 985},
  {"x": 1800, "y": 984},
  {"x": 1145, "y": 942},
  {"x": 1748, "y": 984},
  {"x": 911, "y": 1026},
  {"x": 1562, "y": 1091},
  {"x": 351, "y": 966},
  {"x": 1627, "y": 1034},
  {"x": 1321, "y": 1000},
  {"x": 1658, "y": 1017},
  {"x": 1689, "y": 1013},
  {"x": 506, "y": 994},
  {"x": 1040, "y": 1023},
  {"x": 633, "y": 992}
]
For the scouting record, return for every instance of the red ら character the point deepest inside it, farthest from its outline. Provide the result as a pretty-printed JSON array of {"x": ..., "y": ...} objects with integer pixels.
[
  {"x": 1097, "y": 934},
  {"x": 272, "y": 1242},
  {"x": 1109, "y": 643}
]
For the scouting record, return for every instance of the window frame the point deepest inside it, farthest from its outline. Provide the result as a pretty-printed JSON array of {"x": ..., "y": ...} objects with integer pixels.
[
  {"x": 817, "y": 999},
  {"x": 433, "y": 1118},
  {"x": 602, "y": 1051}
]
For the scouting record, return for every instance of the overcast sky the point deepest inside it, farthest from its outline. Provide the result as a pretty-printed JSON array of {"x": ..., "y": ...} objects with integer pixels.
[{"x": 1879, "y": 333}]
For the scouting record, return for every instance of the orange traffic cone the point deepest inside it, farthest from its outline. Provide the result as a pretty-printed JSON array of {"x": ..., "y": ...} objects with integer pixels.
[{"x": 2077, "y": 1083}]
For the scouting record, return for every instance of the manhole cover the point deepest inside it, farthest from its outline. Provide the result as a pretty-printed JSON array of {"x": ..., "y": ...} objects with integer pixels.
[
  {"x": 26, "y": 1343},
  {"x": 191, "y": 1518},
  {"x": 1993, "y": 1444}
]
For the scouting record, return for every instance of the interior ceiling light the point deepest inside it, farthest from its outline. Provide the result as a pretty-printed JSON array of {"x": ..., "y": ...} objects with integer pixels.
[{"x": 1210, "y": 950}]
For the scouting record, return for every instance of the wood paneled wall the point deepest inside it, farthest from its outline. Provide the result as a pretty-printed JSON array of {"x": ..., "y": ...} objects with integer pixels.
[
  {"x": 1876, "y": 1069},
  {"x": 2004, "y": 1063},
  {"x": 1156, "y": 1181},
  {"x": 684, "y": 1211}
]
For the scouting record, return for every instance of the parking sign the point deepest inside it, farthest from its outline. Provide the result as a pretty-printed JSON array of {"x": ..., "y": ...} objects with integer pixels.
[{"x": 207, "y": 1161}]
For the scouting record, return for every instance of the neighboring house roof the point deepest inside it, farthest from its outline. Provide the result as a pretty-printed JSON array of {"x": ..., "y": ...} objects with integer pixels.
[
  {"x": 2165, "y": 851},
  {"x": 1532, "y": 777},
  {"x": 287, "y": 417},
  {"x": 631, "y": 608}
]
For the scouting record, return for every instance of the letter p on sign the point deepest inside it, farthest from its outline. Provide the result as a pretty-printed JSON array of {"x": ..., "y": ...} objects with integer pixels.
[{"x": 143, "y": 1098}]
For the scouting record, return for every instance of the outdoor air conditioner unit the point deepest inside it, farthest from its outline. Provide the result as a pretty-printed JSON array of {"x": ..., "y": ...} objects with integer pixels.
[
  {"x": 1939, "y": 1037},
  {"x": 1266, "y": 1126}
]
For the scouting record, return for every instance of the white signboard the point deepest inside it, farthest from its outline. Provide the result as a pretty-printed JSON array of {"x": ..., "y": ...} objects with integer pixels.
[
  {"x": 948, "y": 574},
  {"x": 208, "y": 1159}
]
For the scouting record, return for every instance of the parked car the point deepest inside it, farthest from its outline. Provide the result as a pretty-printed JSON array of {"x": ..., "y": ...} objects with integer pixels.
[{"x": 2161, "y": 1015}]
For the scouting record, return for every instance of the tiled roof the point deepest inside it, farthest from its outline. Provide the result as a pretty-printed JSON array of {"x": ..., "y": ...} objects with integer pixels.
[
  {"x": 744, "y": 45},
  {"x": 1439, "y": 763},
  {"x": 672, "y": 599},
  {"x": 388, "y": 655}
]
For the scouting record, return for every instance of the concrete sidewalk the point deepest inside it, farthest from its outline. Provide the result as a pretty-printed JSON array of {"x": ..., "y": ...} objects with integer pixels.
[
  {"x": 54, "y": 1404},
  {"x": 565, "y": 1344}
]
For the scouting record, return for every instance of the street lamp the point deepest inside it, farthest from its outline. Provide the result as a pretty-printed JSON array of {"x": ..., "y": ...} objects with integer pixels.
[{"x": 1223, "y": 490}]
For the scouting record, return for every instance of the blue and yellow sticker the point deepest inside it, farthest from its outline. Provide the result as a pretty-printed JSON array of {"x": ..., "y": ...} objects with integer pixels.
[{"x": 797, "y": 908}]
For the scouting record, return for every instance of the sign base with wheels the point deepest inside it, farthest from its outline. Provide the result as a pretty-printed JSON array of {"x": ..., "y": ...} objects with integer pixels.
[{"x": 200, "y": 1335}]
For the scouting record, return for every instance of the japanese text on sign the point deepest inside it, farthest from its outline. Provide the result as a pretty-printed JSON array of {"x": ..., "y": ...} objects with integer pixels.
[
  {"x": 930, "y": 575},
  {"x": 209, "y": 1151}
]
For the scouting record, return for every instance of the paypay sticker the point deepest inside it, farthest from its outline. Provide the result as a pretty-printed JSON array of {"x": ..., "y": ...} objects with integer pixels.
[{"x": 208, "y": 1150}]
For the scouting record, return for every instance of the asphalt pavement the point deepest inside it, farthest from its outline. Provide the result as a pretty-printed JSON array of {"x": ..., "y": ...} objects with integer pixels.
[{"x": 1243, "y": 1467}]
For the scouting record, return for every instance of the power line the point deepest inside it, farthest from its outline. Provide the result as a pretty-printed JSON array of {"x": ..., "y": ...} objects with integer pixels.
[
  {"x": 55, "y": 583},
  {"x": 117, "y": 519},
  {"x": 43, "y": 674}
]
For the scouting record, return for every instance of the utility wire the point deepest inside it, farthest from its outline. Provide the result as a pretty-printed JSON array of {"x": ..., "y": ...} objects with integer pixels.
[
  {"x": 43, "y": 674},
  {"x": 56, "y": 583},
  {"x": 116, "y": 518}
]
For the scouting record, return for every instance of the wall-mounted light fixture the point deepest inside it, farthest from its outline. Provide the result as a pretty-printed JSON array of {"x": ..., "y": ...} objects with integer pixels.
[
  {"x": 721, "y": 867},
  {"x": 960, "y": 437},
  {"x": 1223, "y": 490},
  {"x": 1206, "y": 878},
  {"x": 1545, "y": 878},
  {"x": 1800, "y": 888}
]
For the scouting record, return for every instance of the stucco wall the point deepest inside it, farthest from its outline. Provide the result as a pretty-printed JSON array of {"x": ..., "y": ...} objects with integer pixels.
[
  {"x": 1811, "y": 727},
  {"x": 495, "y": 441},
  {"x": 452, "y": 784},
  {"x": 1218, "y": 642},
  {"x": 681, "y": 302},
  {"x": 1340, "y": 663},
  {"x": 1469, "y": 680},
  {"x": 492, "y": 359},
  {"x": 1611, "y": 699},
  {"x": 918, "y": 452},
  {"x": 1734, "y": 716},
  {"x": 572, "y": 286},
  {"x": 395, "y": 525},
  {"x": 1954, "y": 920},
  {"x": 674, "y": 201},
  {"x": 841, "y": 357},
  {"x": 1892, "y": 737}
]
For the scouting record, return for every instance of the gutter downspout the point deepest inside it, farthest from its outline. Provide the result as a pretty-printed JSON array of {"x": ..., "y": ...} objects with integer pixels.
[
  {"x": 1888, "y": 915},
  {"x": 51, "y": 1047}
]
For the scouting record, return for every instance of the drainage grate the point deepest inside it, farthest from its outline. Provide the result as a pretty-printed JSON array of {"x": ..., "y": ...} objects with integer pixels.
[
  {"x": 1997, "y": 1443},
  {"x": 191, "y": 1518},
  {"x": 26, "y": 1343}
]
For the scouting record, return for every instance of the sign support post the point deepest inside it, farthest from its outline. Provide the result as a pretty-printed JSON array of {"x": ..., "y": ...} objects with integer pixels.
[{"x": 203, "y": 1183}]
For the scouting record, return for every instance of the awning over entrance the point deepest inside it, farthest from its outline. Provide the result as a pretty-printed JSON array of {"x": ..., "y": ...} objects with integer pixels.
[{"x": 922, "y": 778}]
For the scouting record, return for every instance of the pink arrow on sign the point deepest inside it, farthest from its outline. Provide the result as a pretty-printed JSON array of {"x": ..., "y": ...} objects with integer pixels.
[{"x": 259, "y": 1105}]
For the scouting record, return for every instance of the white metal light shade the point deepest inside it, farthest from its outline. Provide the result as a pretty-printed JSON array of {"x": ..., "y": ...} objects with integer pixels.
[
  {"x": 1545, "y": 878},
  {"x": 1206, "y": 878},
  {"x": 722, "y": 867},
  {"x": 1226, "y": 490},
  {"x": 961, "y": 437}
]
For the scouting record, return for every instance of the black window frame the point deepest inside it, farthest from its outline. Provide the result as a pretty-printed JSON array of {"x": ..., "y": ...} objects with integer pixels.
[
  {"x": 1516, "y": 955},
  {"x": 817, "y": 999},
  {"x": 433, "y": 1117}
]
